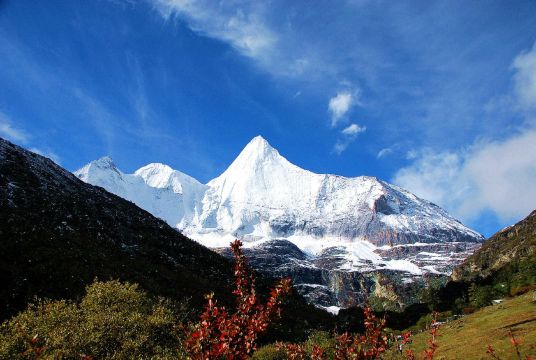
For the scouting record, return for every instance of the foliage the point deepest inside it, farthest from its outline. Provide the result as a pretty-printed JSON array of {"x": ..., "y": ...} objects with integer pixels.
[
  {"x": 270, "y": 352},
  {"x": 430, "y": 294},
  {"x": 319, "y": 342},
  {"x": 516, "y": 348},
  {"x": 470, "y": 334},
  {"x": 113, "y": 320},
  {"x": 234, "y": 336},
  {"x": 369, "y": 345},
  {"x": 480, "y": 296}
]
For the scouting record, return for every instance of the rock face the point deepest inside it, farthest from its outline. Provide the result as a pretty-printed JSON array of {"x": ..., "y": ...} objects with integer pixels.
[{"x": 338, "y": 237}]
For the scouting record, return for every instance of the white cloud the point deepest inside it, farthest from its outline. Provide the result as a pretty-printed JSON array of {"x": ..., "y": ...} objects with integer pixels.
[
  {"x": 340, "y": 146},
  {"x": 384, "y": 152},
  {"x": 339, "y": 105},
  {"x": 238, "y": 23},
  {"x": 348, "y": 135},
  {"x": 10, "y": 132},
  {"x": 491, "y": 175},
  {"x": 525, "y": 78},
  {"x": 497, "y": 176},
  {"x": 353, "y": 129}
]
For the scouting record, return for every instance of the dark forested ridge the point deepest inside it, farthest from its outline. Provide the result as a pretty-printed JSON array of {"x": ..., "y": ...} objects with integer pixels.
[{"x": 58, "y": 234}]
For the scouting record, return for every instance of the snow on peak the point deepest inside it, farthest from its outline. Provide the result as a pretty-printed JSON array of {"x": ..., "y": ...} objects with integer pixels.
[
  {"x": 259, "y": 178},
  {"x": 261, "y": 195},
  {"x": 155, "y": 168},
  {"x": 105, "y": 161},
  {"x": 259, "y": 147},
  {"x": 254, "y": 158},
  {"x": 159, "y": 175},
  {"x": 103, "y": 167},
  {"x": 166, "y": 193}
]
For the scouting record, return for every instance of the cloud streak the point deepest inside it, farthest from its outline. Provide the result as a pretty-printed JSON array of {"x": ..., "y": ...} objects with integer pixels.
[
  {"x": 384, "y": 152},
  {"x": 10, "y": 132},
  {"x": 525, "y": 78},
  {"x": 348, "y": 136},
  {"x": 240, "y": 23}
]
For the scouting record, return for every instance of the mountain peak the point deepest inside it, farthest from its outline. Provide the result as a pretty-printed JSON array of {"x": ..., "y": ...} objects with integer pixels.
[
  {"x": 258, "y": 147},
  {"x": 97, "y": 168},
  {"x": 105, "y": 161},
  {"x": 257, "y": 157},
  {"x": 154, "y": 168}
]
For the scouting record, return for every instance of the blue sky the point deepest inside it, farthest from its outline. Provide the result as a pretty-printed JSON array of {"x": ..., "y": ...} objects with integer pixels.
[{"x": 438, "y": 97}]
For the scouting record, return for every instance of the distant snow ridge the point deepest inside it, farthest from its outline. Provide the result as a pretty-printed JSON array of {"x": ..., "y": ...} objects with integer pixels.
[
  {"x": 368, "y": 223},
  {"x": 156, "y": 188}
]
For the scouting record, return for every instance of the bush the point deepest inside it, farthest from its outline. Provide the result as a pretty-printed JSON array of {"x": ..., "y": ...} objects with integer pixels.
[
  {"x": 459, "y": 304},
  {"x": 269, "y": 352},
  {"x": 113, "y": 320},
  {"x": 224, "y": 335},
  {"x": 480, "y": 296},
  {"x": 324, "y": 341}
]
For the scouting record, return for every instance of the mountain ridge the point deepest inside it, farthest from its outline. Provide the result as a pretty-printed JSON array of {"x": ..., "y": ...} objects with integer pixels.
[
  {"x": 59, "y": 234},
  {"x": 511, "y": 250},
  {"x": 360, "y": 224}
]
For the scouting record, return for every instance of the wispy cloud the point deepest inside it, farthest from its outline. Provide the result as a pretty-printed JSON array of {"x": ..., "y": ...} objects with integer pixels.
[
  {"x": 384, "y": 152},
  {"x": 348, "y": 136},
  {"x": 495, "y": 175},
  {"x": 21, "y": 136},
  {"x": 9, "y": 131},
  {"x": 353, "y": 130},
  {"x": 525, "y": 78},
  {"x": 238, "y": 23},
  {"x": 339, "y": 105}
]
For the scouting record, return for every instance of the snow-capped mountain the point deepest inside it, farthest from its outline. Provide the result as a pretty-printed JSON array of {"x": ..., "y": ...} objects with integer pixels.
[
  {"x": 157, "y": 188},
  {"x": 339, "y": 224}
]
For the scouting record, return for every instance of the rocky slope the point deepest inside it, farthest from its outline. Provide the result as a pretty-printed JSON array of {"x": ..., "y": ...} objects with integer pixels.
[
  {"x": 57, "y": 234},
  {"x": 513, "y": 247},
  {"x": 340, "y": 238}
]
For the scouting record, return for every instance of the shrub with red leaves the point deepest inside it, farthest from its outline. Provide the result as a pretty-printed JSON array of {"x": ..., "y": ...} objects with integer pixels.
[
  {"x": 430, "y": 351},
  {"x": 406, "y": 339},
  {"x": 432, "y": 344},
  {"x": 233, "y": 336},
  {"x": 34, "y": 349},
  {"x": 516, "y": 344},
  {"x": 293, "y": 351},
  {"x": 298, "y": 352},
  {"x": 369, "y": 345}
]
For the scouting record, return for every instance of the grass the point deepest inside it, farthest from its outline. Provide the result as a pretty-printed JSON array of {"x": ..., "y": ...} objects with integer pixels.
[{"x": 468, "y": 337}]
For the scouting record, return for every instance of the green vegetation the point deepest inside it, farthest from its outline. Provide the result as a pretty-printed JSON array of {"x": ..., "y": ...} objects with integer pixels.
[
  {"x": 469, "y": 336},
  {"x": 322, "y": 339},
  {"x": 509, "y": 257},
  {"x": 113, "y": 320}
]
